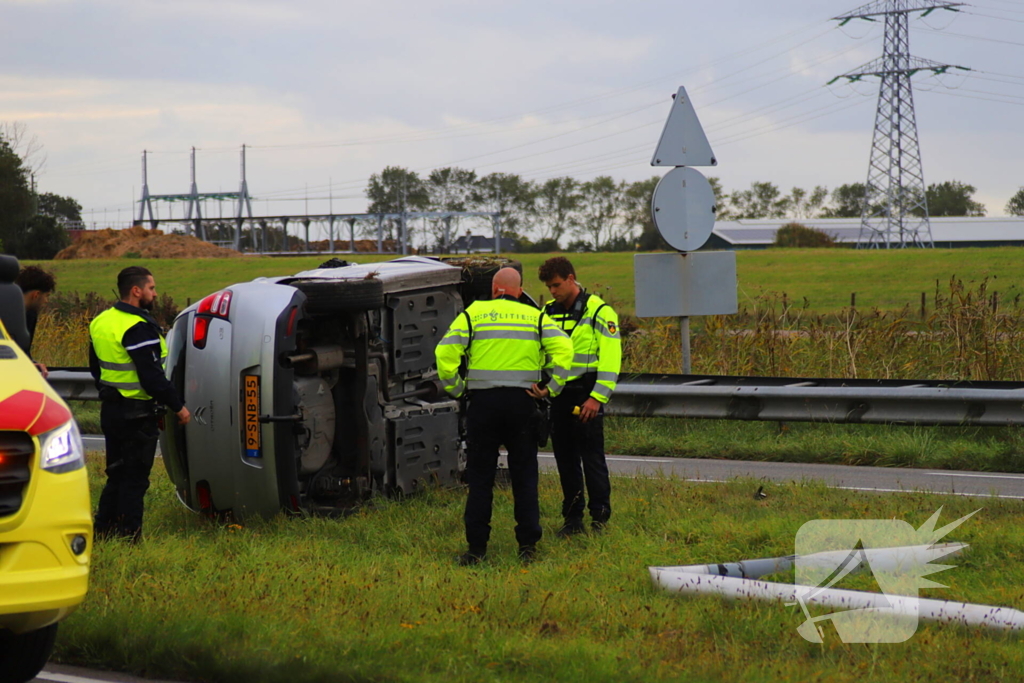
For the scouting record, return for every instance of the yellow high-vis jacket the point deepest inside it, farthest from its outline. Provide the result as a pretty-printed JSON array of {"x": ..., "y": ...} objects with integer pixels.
[
  {"x": 597, "y": 344},
  {"x": 507, "y": 344},
  {"x": 117, "y": 369}
]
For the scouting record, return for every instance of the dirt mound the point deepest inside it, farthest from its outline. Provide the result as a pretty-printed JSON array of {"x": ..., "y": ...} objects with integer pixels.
[{"x": 140, "y": 243}]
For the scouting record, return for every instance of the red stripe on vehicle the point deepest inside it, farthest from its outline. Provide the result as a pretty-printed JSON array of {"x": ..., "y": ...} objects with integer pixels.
[
  {"x": 32, "y": 412},
  {"x": 53, "y": 416}
]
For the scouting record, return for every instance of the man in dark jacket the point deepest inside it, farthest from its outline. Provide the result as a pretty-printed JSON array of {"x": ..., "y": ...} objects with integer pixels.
[
  {"x": 126, "y": 356},
  {"x": 36, "y": 285}
]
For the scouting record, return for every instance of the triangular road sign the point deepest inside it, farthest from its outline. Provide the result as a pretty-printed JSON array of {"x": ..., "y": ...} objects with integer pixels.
[{"x": 683, "y": 142}]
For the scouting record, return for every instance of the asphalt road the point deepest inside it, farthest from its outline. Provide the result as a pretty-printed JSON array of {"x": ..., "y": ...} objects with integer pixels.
[{"x": 880, "y": 479}]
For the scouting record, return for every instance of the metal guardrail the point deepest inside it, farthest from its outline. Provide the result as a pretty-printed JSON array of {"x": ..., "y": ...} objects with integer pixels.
[
  {"x": 820, "y": 400},
  {"x": 73, "y": 384},
  {"x": 774, "y": 399}
]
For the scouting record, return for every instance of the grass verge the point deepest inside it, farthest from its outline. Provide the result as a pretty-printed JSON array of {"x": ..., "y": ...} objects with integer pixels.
[
  {"x": 997, "y": 449},
  {"x": 377, "y": 597}
]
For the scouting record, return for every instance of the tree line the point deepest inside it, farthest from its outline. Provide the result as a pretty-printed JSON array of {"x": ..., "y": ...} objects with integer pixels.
[
  {"x": 602, "y": 214},
  {"x": 605, "y": 214},
  {"x": 32, "y": 225}
]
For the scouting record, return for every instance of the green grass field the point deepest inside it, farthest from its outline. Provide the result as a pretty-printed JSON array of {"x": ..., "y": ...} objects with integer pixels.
[
  {"x": 885, "y": 279},
  {"x": 377, "y": 596}
]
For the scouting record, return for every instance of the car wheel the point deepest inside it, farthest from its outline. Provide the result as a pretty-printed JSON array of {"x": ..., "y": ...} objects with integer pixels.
[
  {"x": 477, "y": 273},
  {"x": 341, "y": 295},
  {"x": 23, "y": 656}
]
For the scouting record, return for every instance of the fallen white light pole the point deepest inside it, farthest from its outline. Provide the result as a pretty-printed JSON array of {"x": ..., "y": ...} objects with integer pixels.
[
  {"x": 737, "y": 581},
  {"x": 882, "y": 559}
]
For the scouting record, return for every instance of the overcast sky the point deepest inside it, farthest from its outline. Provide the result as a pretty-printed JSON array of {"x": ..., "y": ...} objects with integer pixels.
[{"x": 325, "y": 93}]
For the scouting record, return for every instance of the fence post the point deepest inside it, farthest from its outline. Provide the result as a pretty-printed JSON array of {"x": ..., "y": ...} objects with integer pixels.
[
  {"x": 853, "y": 299},
  {"x": 923, "y": 312}
]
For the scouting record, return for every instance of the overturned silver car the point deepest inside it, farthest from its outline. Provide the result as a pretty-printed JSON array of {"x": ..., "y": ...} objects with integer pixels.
[{"x": 313, "y": 391}]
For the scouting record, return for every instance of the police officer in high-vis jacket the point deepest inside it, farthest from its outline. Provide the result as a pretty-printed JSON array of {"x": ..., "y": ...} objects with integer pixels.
[
  {"x": 577, "y": 429},
  {"x": 507, "y": 344},
  {"x": 126, "y": 356}
]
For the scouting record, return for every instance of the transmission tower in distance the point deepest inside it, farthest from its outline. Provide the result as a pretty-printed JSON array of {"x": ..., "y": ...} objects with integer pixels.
[{"x": 895, "y": 208}]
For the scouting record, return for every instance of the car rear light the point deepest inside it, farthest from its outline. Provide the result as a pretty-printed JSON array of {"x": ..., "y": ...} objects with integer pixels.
[
  {"x": 204, "y": 496},
  {"x": 225, "y": 304},
  {"x": 200, "y": 328},
  {"x": 291, "y": 321},
  {"x": 216, "y": 305}
]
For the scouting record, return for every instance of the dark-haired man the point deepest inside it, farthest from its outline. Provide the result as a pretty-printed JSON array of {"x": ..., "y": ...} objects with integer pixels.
[
  {"x": 577, "y": 414},
  {"x": 36, "y": 285},
  {"x": 126, "y": 357}
]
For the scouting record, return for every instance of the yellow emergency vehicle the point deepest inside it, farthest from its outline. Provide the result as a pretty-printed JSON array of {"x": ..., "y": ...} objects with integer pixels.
[{"x": 45, "y": 513}]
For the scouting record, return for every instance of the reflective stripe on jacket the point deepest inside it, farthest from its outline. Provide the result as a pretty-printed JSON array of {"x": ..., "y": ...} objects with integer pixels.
[
  {"x": 117, "y": 369},
  {"x": 596, "y": 342},
  {"x": 507, "y": 344}
]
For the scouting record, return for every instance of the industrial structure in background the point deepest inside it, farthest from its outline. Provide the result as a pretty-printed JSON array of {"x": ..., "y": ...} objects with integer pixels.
[
  {"x": 270, "y": 234},
  {"x": 895, "y": 209}
]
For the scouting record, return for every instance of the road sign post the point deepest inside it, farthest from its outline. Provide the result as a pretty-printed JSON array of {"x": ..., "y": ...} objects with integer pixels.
[{"x": 689, "y": 282}]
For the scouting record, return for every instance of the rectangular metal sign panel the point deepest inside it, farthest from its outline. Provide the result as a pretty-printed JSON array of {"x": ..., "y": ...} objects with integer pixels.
[{"x": 685, "y": 284}]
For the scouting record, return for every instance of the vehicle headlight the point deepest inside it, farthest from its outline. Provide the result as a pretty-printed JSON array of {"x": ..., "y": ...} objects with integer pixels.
[{"x": 62, "y": 449}]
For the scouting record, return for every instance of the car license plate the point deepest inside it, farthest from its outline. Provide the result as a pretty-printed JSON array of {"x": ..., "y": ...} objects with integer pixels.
[{"x": 251, "y": 403}]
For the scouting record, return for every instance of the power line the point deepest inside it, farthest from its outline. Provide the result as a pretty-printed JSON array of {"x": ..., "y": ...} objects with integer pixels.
[
  {"x": 991, "y": 16},
  {"x": 964, "y": 35},
  {"x": 949, "y": 93},
  {"x": 530, "y": 143},
  {"x": 823, "y": 111}
]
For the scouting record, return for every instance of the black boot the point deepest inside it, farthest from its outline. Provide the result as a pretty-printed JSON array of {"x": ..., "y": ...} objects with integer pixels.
[
  {"x": 527, "y": 553},
  {"x": 571, "y": 527},
  {"x": 472, "y": 557}
]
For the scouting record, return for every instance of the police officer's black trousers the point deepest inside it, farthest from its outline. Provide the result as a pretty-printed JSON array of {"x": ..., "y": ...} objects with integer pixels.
[
  {"x": 131, "y": 435},
  {"x": 496, "y": 417},
  {"x": 579, "y": 454}
]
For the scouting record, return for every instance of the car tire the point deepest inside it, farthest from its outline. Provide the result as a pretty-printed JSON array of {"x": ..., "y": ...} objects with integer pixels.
[
  {"x": 24, "y": 656},
  {"x": 341, "y": 295},
  {"x": 478, "y": 273}
]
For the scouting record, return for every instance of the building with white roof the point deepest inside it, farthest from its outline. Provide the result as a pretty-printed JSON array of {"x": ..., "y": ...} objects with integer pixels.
[{"x": 947, "y": 232}]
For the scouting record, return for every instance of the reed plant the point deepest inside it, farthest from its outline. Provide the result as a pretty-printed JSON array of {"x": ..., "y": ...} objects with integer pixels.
[
  {"x": 967, "y": 335},
  {"x": 62, "y": 333}
]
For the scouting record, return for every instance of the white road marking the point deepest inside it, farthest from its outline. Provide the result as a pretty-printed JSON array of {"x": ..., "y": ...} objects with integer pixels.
[
  {"x": 619, "y": 458},
  {"x": 980, "y": 476},
  {"x": 936, "y": 493},
  {"x": 64, "y": 678}
]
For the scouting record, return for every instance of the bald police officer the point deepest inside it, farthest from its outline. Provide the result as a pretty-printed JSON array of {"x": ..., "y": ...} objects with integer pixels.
[{"x": 507, "y": 344}]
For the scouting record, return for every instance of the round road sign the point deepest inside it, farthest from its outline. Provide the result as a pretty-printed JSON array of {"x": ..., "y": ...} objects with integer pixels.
[{"x": 683, "y": 208}]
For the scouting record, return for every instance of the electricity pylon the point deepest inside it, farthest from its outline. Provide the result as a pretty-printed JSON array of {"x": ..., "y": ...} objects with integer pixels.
[{"x": 895, "y": 208}]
